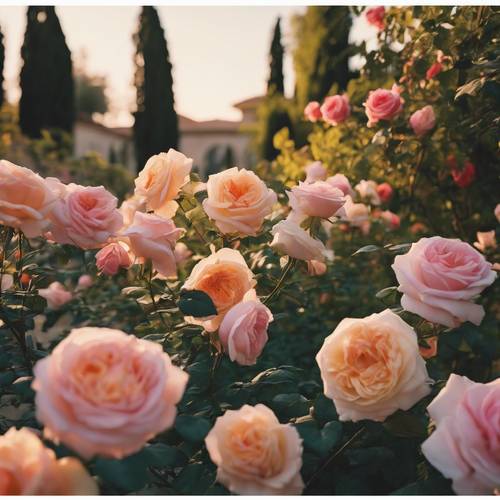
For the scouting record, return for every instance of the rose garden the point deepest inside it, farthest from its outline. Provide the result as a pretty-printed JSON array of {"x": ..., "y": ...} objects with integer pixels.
[{"x": 325, "y": 323}]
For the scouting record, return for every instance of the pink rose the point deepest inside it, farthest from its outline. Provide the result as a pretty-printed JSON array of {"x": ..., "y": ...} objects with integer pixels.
[
  {"x": 465, "y": 176},
  {"x": 160, "y": 181},
  {"x": 238, "y": 201},
  {"x": 485, "y": 240},
  {"x": 243, "y": 331},
  {"x": 130, "y": 206},
  {"x": 316, "y": 199},
  {"x": 439, "y": 278},
  {"x": 255, "y": 454},
  {"x": 336, "y": 109},
  {"x": 153, "y": 237},
  {"x": 358, "y": 215},
  {"x": 25, "y": 199},
  {"x": 371, "y": 367},
  {"x": 312, "y": 111},
  {"x": 391, "y": 219},
  {"x": 383, "y": 104},
  {"x": 103, "y": 392},
  {"x": 316, "y": 268},
  {"x": 182, "y": 253},
  {"x": 112, "y": 257},
  {"x": 384, "y": 192},
  {"x": 369, "y": 191},
  {"x": 83, "y": 216},
  {"x": 497, "y": 212},
  {"x": 375, "y": 17},
  {"x": 85, "y": 281},
  {"x": 465, "y": 447},
  {"x": 55, "y": 295},
  {"x": 27, "y": 467},
  {"x": 340, "y": 181},
  {"x": 434, "y": 70},
  {"x": 423, "y": 120},
  {"x": 315, "y": 171}
]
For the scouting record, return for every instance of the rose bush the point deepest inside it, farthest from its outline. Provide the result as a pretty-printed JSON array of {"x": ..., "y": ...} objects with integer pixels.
[{"x": 185, "y": 362}]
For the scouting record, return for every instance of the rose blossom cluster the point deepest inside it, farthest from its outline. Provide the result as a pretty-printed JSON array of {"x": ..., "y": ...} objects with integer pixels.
[{"x": 334, "y": 110}]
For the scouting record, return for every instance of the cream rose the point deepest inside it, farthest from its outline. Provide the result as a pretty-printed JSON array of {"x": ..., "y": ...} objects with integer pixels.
[
  {"x": 439, "y": 277},
  {"x": 27, "y": 467},
  {"x": 357, "y": 214},
  {"x": 160, "y": 181},
  {"x": 372, "y": 367},
  {"x": 103, "y": 392},
  {"x": 255, "y": 454},
  {"x": 465, "y": 447},
  {"x": 226, "y": 278},
  {"x": 56, "y": 295},
  {"x": 368, "y": 191},
  {"x": 25, "y": 199},
  {"x": 317, "y": 199},
  {"x": 290, "y": 239},
  {"x": 238, "y": 201}
]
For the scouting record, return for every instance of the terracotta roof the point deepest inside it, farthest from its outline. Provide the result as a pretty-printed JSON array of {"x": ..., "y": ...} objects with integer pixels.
[
  {"x": 250, "y": 103},
  {"x": 124, "y": 132}
]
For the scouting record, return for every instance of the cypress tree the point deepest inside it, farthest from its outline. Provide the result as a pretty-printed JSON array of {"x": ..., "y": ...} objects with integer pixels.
[
  {"x": 275, "y": 82},
  {"x": 156, "y": 124},
  {"x": 47, "y": 88},
  {"x": 322, "y": 52},
  {"x": 2, "y": 62}
]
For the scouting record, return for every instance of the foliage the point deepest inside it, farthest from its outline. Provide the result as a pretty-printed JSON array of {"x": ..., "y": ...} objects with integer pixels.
[
  {"x": 2, "y": 63},
  {"x": 47, "y": 87},
  {"x": 156, "y": 124},
  {"x": 275, "y": 81},
  {"x": 90, "y": 94}
]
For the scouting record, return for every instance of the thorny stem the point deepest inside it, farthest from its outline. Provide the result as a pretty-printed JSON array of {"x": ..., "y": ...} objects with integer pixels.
[{"x": 153, "y": 300}]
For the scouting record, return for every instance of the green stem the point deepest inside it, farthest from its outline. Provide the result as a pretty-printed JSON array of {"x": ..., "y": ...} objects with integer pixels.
[{"x": 289, "y": 267}]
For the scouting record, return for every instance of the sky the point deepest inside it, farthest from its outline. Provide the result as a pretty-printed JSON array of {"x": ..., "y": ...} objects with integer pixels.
[{"x": 219, "y": 54}]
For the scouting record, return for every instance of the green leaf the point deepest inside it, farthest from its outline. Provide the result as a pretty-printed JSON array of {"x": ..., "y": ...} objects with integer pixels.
[
  {"x": 375, "y": 454},
  {"x": 192, "y": 428},
  {"x": 196, "y": 303},
  {"x": 403, "y": 424},
  {"x": 128, "y": 474},
  {"x": 366, "y": 249},
  {"x": 386, "y": 292},
  {"x": 320, "y": 442},
  {"x": 163, "y": 455},
  {"x": 193, "y": 480},
  {"x": 290, "y": 405}
]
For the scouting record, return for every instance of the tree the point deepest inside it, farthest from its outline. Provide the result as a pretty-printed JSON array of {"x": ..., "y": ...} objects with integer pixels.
[
  {"x": 156, "y": 124},
  {"x": 275, "y": 81},
  {"x": 2, "y": 62},
  {"x": 322, "y": 52},
  {"x": 91, "y": 94},
  {"x": 47, "y": 87}
]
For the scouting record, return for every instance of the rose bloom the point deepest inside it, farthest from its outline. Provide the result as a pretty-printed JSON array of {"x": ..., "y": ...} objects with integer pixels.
[
  {"x": 431, "y": 351},
  {"x": 439, "y": 277},
  {"x": 103, "y": 392},
  {"x": 375, "y": 17},
  {"x": 464, "y": 177},
  {"x": 340, "y": 181},
  {"x": 485, "y": 240},
  {"x": 154, "y": 237},
  {"x": 238, "y": 201},
  {"x": 160, "y": 181},
  {"x": 371, "y": 367},
  {"x": 335, "y": 109},
  {"x": 317, "y": 199},
  {"x": 423, "y": 121},
  {"x": 434, "y": 70},
  {"x": 290, "y": 239},
  {"x": 383, "y": 104},
  {"x": 83, "y": 216},
  {"x": 25, "y": 199},
  {"x": 312, "y": 111},
  {"x": 85, "y": 281},
  {"x": 130, "y": 206},
  {"x": 358, "y": 215},
  {"x": 243, "y": 331},
  {"x": 181, "y": 253},
  {"x": 56, "y": 295},
  {"x": 27, "y": 467},
  {"x": 315, "y": 171},
  {"x": 112, "y": 257},
  {"x": 384, "y": 192},
  {"x": 465, "y": 447},
  {"x": 497, "y": 212},
  {"x": 391, "y": 219},
  {"x": 368, "y": 190},
  {"x": 316, "y": 268},
  {"x": 225, "y": 277},
  {"x": 255, "y": 454}
]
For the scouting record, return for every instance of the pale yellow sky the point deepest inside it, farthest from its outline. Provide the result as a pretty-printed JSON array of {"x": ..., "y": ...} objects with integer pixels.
[{"x": 219, "y": 54}]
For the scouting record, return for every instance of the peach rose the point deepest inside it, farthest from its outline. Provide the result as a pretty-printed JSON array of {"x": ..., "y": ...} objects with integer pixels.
[
  {"x": 465, "y": 447},
  {"x": 358, "y": 215},
  {"x": 255, "y": 454},
  {"x": 423, "y": 120},
  {"x": 290, "y": 239},
  {"x": 383, "y": 104},
  {"x": 56, "y": 295},
  {"x": 317, "y": 199},
  {"x": 27, "y": 467},
  {"x": 83, "y": 216},
  {"x": 315, "y": 171},
  {"x": 25, "y": 199},
  {"x": 371, "y": 367},
  {"x": 439, "y": 277},
  {"x": 368, "y": 191},
  {"x": 243, "y": 331},
  {"x": 384, "y": 192},
  {"x": 130, "y": 206},
  {"x": 312, "y": 111},
  {"x": 485, "y": 240},
  {"x": 340, "y": 181},
  {"x": 103, "y": 392},
  {"x": 335, "y": 109},
  {"x": 226, "y": 278},
  {"x": 375, "y": 16},
  {"x": 112, "y": 257},
  {"x": 238, "y": 201},
  {"x": 153, "y": 237},
  {"x": 160, "y": 181}
]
